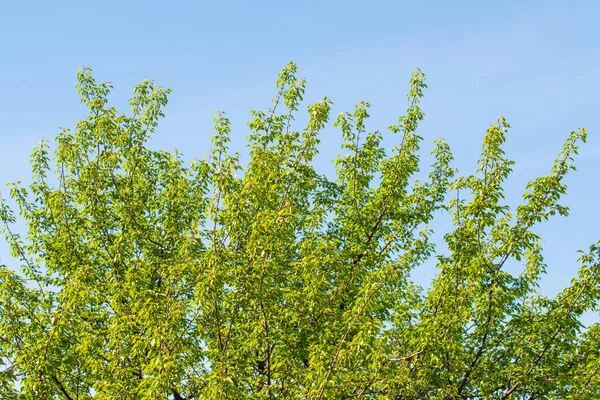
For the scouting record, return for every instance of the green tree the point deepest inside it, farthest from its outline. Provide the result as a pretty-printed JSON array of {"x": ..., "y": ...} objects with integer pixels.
[{"x": 142, "y": 278}]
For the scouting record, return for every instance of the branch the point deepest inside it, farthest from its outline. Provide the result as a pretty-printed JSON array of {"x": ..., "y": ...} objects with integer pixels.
[{"x": 61, "y": 387}]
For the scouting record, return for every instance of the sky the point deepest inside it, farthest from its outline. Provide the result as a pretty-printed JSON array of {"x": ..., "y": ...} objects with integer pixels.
[{"x": 537, "y": 63}]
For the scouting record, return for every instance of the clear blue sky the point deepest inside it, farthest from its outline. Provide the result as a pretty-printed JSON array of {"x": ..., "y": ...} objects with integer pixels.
[{"x": 535, "y": 62}]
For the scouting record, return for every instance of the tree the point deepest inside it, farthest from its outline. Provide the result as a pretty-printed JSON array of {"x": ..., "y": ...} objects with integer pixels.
[{"x": 141, "y": 278}]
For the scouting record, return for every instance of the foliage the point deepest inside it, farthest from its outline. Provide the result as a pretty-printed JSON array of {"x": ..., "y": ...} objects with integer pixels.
[{"x": 142, "y": 278}]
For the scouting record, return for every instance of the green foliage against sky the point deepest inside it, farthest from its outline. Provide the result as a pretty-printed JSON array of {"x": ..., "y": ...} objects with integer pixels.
[{"x": 142, "y": 278}]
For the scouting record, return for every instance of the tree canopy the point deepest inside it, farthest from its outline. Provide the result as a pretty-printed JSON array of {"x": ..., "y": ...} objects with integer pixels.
[{"x": 143, "y": 278}]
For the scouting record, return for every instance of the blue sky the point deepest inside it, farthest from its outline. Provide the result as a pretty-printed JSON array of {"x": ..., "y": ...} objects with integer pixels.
[{"x": 535, "y": 62}]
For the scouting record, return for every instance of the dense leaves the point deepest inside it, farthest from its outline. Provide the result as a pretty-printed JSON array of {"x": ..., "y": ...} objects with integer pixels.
[{"x": 141, "y": 278}]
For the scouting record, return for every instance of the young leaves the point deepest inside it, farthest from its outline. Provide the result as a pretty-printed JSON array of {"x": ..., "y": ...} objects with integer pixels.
[{"x": 140, "y": 277}]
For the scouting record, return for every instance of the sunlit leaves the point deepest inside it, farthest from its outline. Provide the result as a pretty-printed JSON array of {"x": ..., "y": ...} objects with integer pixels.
[{"x": 140, "y": 277}]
